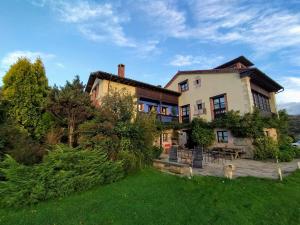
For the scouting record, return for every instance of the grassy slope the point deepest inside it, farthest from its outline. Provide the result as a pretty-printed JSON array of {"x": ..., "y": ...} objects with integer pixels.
[{"x": 151, "y": 197}]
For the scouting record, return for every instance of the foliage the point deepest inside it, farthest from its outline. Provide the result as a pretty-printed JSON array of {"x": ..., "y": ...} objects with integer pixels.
[
  {"x": 265, "y": 148},
  {"x": 248, "y": 125},
  {"x": 25, "y": 88},
  {"x": 63, "y": 171},
  {"x": 202, "y": 133},
  {"x": 294, "y": 126},
  {"x": 117, "y": 106},
  {"x": 122, "y": 134},
  {"x": 17, "y": 143},
  {"x": 151, "y": 197},
  {"x": 71, "y": 105},
  {"x": 157, "y": 152}
]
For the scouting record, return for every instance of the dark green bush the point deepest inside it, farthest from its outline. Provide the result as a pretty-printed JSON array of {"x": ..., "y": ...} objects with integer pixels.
[
  {"x": 287, "y": 152},
  {"x": 265, "y": 148},
  {"x": 286, "y": 156},
  {"x": 156, "y": 152},
  {"x": 63, "y": 171}
]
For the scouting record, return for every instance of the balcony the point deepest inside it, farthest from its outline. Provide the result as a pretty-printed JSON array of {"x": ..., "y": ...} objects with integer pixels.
[
  {"x": 185, "y": 119},
  {"x": 167, "y": 118},
  {"x": 219, "y": 112}
]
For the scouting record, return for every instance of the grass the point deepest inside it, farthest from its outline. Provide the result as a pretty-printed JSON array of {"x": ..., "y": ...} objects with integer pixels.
[{"x": 151, "y": 197}]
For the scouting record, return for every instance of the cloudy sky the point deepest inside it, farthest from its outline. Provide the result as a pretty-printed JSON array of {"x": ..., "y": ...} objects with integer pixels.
[{"x": 154, "y": 39}]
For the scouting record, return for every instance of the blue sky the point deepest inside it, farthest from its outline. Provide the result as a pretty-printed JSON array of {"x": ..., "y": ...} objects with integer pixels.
[{"x": 154, "y": 38}]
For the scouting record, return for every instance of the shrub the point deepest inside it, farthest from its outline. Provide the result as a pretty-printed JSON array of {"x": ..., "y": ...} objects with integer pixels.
[
  {"x": 287, "y": 152},
  {"x": 156, "y": 151},
  {"x": 265, "y": 148},
  {"x": 17, "y": 143},
  {"x": 202, "y": 133},
  {"x": 63, "y": 171},
  {"x": 131, "y": 162},
  {"x": 286, "y": 156}
]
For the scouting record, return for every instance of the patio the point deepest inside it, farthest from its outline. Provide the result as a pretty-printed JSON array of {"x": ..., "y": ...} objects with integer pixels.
[{"x": 215, "y": 166}]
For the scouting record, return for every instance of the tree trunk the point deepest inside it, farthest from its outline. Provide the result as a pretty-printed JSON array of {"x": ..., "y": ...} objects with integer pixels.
[
  {"x": 71, "y": 134},
  {"x": 71, "y": 128}
]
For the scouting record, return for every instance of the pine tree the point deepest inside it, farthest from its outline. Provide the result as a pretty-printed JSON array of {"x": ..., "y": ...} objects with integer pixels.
[{"x": 25, "y": 88}]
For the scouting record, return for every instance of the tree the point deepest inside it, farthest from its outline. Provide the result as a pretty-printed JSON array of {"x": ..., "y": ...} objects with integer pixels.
[
  {"x": 25, "y": 88},
  {"x": 120, "y": 132},
  {"x": 202, "y": 133},
  {"x": 71, "y": 105}
]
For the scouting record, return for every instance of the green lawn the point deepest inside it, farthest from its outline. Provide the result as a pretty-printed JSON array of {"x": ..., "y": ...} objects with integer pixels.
[{"x": 151, "y": 197}]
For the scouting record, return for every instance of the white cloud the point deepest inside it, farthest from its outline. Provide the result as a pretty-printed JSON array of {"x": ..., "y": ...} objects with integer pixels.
[
  {"x": 264, "y": 26},
  {"x": 12, "y": 57},
  {"x": 99, "y": 22},
  {"x": 165, "y": 16},
  {"x": 291, "y": 91},
  {"x": 204, "y": 62}
]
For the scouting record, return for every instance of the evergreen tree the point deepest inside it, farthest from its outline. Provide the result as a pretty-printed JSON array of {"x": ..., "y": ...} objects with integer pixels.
[
  {"x": 71, "y": 105},
  {"x": 25, "y": 88}
]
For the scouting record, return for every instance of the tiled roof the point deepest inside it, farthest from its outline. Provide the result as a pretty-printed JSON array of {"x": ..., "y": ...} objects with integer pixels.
[{"x": 108, "y": 76}]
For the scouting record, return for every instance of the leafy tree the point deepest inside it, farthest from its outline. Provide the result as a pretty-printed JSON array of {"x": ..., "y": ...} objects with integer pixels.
[
  {"x": 25, "y": 88},
  {"x": 202, "y": 133},
  {"x": 121, "y": 133},
  {"x": 71, "y": 105}
]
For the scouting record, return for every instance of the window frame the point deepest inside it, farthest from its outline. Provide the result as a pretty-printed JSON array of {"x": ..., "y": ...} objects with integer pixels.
[
  {"x": 222, "y": 137},
  {"x": 186, "y": 85},
  {"x": 185, "y": 111},
  {"x": 261, "y": 101}
]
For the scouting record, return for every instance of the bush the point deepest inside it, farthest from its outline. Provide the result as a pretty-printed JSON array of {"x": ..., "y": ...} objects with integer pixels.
[
  {"x": 286, "y": 156},
  {"x": 287, "y": 152},
  {"x": 265, "y": 148},
  {"x": 156, "y": 151},
  {"x": 63, "y": 171},
  {"x": 17, "y": 143},
  {"x": 131, "y": 162},
  {"x": 202, "y": 133}
]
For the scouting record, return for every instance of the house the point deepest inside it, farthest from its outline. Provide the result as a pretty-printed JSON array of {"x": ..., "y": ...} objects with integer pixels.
[
  {"x": 236, "y": 85},
  {"x": 148, "y": 97}
]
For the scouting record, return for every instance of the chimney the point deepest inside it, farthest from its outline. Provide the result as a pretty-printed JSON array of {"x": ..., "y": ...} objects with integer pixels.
[{"x": 121, "y": 70}]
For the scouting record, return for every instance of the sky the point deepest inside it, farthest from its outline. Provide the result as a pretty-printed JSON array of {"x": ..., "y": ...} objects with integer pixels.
[{"x": 154, "y": 39}]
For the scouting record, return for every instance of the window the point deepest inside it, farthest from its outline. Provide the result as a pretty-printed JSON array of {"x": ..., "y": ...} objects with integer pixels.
[
  {"x": 222, "y": 136},
  {"x": 261, "y": 101},
  {"x": 164, "y": 110},
  {"x": 219, "y": 106},
  {"x": 197, "y": 82},
  {"x": 141, "y": 107},
  {"x": 164, "y": 137},
  {"x": 184, "y": 86},
  {"x": 185, "y": 113},
  {"x": 200, "y": 106},
  {"x": 152, "y": 108}
]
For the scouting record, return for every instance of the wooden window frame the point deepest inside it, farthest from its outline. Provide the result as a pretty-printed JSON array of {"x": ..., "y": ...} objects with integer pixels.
[{"x": 180, "y": 85}]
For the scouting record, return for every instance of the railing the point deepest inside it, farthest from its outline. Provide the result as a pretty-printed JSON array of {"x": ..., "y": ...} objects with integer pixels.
[
  {"x": 167, "y": 118},
  {"x": 185, "y": 119},
  {"x": 219, "y": 112}
]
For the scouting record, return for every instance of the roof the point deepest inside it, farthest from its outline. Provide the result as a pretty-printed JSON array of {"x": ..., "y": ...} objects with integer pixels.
[
  {"x": 241, "y": 59},
  {"x": 112, "y": 77},
  {"x": 255, "y": 74},
  {"x": 211, "y": 71},
  {"x": 260, "y": 78}
]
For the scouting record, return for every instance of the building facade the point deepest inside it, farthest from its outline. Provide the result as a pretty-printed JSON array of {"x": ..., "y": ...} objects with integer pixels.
[{"x": 208, "y": 94}]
